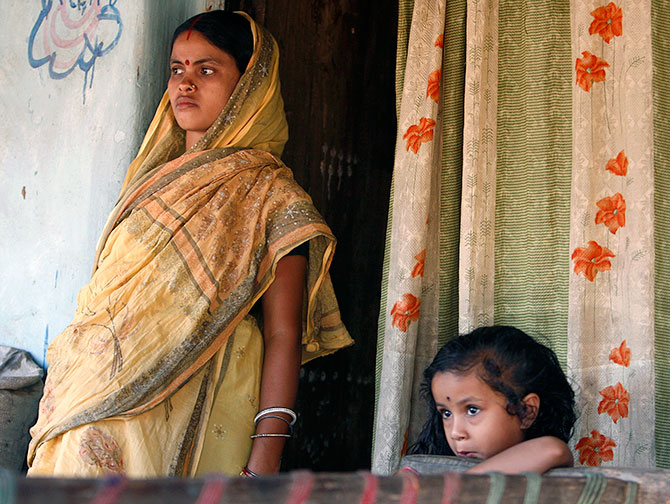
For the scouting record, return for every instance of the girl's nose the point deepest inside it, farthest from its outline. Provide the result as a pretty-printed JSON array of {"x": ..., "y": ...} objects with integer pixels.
[{"x": 458, "y": 431}]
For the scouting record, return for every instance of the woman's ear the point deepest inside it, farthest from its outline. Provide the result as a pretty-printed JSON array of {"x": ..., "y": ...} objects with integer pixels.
[{"x": 531, "y": 407}]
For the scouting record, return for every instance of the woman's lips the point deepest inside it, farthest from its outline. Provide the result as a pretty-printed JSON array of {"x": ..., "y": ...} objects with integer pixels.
[{"x": 185, "y": 103}]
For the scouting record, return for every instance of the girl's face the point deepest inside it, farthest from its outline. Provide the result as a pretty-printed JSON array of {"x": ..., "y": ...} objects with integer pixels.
[
  {"x": 202, "y": 78},
  {"x": 476, "y": 422}
]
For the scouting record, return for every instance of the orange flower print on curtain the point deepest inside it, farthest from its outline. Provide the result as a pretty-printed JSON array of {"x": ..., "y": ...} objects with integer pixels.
[
  {"x": 590, "y": 68},
  {"x": 592, "y": 259},
  {"x": 420, "y": 261},
  {"x": 621, "y": 355},
  {"x": 596, "y": 449},
  {"x": 433, "y": 89},
  {"x": 439, "y": 42},
  {"x": 405, "y": 311},
  {"x": 607, "y": 22},
  {"x": 612, "y": 212},
  {"x": 618, "y": 165},
  {"x": 419, "y": 133},
  {"x": 615, "y": 402}
]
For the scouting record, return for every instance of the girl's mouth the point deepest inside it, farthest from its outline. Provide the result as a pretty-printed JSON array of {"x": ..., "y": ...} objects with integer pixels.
[{"x": 468, "y": 454}]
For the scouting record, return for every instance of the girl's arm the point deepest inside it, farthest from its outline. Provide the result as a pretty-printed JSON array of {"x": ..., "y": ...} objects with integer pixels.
[
  {"x": 282, "y": 330},
  {"x": 535, "y": 455}
]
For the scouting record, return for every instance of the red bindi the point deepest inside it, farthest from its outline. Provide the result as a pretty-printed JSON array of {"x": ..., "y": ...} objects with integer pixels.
[{"x": 187, "y": 62}]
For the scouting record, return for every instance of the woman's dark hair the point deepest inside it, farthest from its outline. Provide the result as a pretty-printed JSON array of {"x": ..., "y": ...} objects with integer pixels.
[
  {"x": 228, "y": 31},
  {"x": 512, "y": 363}
]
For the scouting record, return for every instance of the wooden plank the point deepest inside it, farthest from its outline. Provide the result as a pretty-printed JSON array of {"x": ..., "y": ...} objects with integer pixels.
[{"x": 342, "y": 487}]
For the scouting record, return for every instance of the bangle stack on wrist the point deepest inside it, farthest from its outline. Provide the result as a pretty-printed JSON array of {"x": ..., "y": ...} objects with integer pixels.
[
  {"x": 248, "y": 473},
  {"x": 269, "y": 413}
]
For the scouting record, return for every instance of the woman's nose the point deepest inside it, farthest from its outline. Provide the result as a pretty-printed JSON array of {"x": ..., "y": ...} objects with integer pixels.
[{"x": 187, "y": 84}]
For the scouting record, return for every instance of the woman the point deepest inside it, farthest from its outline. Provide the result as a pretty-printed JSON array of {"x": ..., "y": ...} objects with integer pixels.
[{"x": 163, "y": 370}]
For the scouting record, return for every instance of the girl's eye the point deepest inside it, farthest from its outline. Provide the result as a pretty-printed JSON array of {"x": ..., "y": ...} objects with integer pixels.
[
  {"x": 446, "y": 414},
  {"x": 176, "y": 71},
  {"x": 206, "y": 71},
  {"x": 473, "y": 410}
]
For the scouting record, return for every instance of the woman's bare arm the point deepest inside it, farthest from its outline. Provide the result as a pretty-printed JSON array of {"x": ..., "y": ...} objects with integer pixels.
[
  {"x": 282, "y": 329},
  {"x": 535, "y": 455}
]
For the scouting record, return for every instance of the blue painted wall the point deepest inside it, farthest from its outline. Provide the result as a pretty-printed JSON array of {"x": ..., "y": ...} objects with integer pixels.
[{"x": 80, "y": 83}]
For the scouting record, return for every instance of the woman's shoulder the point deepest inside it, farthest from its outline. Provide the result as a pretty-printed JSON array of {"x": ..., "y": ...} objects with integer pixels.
[
  {"x": 255, "y": 156},
  {"x": 261, "y": 168},
  {"x": 249, "y": 159}
]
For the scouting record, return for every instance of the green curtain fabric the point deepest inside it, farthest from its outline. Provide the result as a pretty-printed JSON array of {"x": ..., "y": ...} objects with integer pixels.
[
  {"x": 660, "y": 31},
  {"x": 451, "y": 96},
  {"x": 532, "y": 233}
]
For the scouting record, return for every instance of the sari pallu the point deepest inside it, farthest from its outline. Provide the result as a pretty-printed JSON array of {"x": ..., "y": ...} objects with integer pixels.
[{"x": 140, "y": 378}]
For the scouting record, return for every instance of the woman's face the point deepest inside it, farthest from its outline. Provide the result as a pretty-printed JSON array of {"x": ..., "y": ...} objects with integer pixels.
[{"x": 202, "y": 78}]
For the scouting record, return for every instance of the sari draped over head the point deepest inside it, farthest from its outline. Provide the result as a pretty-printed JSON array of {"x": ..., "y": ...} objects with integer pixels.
[{"x": 159, "y": 372}]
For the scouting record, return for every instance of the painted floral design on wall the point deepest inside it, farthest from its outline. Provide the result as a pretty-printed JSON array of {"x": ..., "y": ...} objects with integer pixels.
[{"x": 73, "y": 35}]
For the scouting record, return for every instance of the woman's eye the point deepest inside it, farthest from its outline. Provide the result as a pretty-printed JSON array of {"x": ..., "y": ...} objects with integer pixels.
[
  {"x": 473, "y": 410},
  {"x": 206, "y": 71},
  {"x": 176, "y": 71},
  {"x": 445, "y": 414}
]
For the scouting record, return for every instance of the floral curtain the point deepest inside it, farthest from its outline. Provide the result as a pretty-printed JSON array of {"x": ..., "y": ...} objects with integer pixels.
[{"x": 530, "y": 188}]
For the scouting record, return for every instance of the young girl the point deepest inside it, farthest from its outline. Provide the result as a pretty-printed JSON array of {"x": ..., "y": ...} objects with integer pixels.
[{"x": 496, "y": 394}]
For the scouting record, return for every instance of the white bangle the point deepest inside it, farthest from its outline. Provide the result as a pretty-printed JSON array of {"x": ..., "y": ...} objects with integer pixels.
[{"x": 268, "y": 411}]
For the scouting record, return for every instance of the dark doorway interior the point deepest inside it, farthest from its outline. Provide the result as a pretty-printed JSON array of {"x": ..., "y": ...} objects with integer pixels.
[{"x": 337, "y": 67}]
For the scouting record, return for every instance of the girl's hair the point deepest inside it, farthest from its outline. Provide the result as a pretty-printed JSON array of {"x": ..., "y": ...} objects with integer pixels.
[
  {"x": 228, "y": 31},
  {"x": 511, "y": 363}
]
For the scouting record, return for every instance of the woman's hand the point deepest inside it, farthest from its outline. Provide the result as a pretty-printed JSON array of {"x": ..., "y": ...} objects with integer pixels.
[
  {"x": 535, "y": 455},
  {"x": 282, "y": 330}
]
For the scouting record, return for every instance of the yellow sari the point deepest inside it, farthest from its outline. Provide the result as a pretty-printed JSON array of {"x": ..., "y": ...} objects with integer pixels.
[{"x": 159, "y": 372}]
